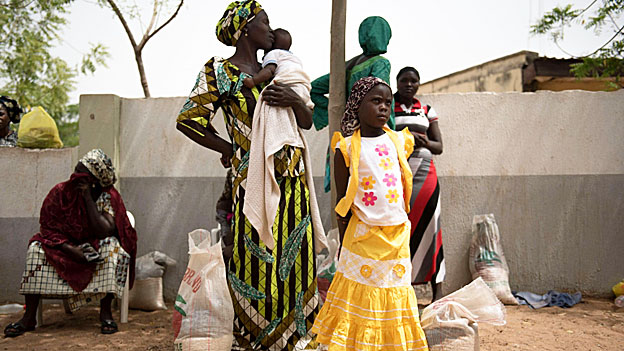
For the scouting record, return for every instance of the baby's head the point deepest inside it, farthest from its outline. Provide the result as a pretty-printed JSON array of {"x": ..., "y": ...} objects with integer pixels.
[{"x": 282, "y": 39}]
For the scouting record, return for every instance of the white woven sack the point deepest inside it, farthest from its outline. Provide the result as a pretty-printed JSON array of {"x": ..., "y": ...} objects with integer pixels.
[
  {"x": 204, "y": 316},
  {"x": 486, "y": 258}
]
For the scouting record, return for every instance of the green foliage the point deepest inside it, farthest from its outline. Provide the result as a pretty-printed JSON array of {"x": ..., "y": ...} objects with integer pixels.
[
  {"x": 96, "y": 56},
  {"x": 68, "y": 127},
  {"x": 28, "y": 71},
  {"x": 555, "y": 22},
  {"x": 605, "y": 61}
]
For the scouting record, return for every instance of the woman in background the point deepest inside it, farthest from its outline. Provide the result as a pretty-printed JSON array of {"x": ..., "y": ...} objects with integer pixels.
[
  {"x": 9, "y": 113},
  {"x": 426, "y": 240}
]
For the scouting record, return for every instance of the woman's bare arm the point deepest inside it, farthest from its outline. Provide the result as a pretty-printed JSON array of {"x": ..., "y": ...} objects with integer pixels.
[
  {"x": 264, "y": 75},
  {"x": 431, "y": 141},
  {"x": 99, "y": 224},
  {"x": 209, "y": 140}
]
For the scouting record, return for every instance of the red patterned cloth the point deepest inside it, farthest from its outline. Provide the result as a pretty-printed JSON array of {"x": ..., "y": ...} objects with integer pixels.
[{"x": 64, "y": 219}]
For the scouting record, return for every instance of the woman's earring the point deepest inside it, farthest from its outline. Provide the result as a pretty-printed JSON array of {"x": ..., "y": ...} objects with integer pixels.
[
  {"x": 245, "y": 33},
  {"x": 93, "y": 186}
]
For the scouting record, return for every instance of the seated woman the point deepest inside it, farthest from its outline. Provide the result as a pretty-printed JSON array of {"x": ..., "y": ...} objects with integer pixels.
[
  {"x": 9, "y": 113},
  {"x": 84, "y": 247}
]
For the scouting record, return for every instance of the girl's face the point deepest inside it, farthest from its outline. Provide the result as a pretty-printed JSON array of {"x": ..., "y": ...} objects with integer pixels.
[
  {"x": 4, "y": 117},
  {"x": 407, "y": 85},
  {"x": 259, "y": 31},
  {"x": 374, "y": 111}
]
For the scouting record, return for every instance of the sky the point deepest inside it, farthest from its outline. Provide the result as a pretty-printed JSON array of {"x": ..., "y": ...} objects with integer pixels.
[{"x": 437, "y": 37}]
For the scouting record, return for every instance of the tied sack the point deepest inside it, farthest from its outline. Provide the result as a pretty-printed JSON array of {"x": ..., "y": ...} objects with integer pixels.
[
  {"x": 37, "y": 130},
  {"x": 147, "y": 292},
  {"x": 486, "y": 258},
  {"x": 203, "y": 317},
  {"x": 451, "y": 323}
]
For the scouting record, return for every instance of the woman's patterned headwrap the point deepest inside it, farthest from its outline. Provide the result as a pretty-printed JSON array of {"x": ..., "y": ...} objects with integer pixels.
[
  {"x": 13, "y": 109},
  {"x": 100, "y": 166},
  {"x": 236, "y": 16},
  {"x": 350, "y": 121}
]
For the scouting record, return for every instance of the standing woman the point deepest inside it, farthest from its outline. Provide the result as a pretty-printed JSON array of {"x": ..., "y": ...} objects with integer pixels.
[
  {"x": 426, "y": 240},
  {"x": 273, "y": 291},
  {"x": 9, "y": 113}
]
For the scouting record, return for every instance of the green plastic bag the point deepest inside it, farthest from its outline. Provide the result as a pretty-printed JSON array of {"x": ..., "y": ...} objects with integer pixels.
[{"x": 37, "y": 130}]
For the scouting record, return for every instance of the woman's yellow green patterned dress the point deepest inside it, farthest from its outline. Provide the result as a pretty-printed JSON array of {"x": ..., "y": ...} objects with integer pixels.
[{"x": 274, "y": 292}]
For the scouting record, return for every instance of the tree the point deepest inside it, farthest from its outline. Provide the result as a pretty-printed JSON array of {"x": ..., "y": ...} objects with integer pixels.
[
  {"x": 28, "y": 71},
  {"x": 132, "y": 11},
  {"x": 605, "y": 61}
]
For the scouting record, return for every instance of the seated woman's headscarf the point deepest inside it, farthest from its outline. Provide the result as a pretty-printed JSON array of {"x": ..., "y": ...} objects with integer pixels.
[
  {"x": 101, "y": 166},
  {"x": 64, "y": 219},
  {"x": 12, "y": 107},
  {"x": 236, "y": 16},
  {"x": 374, "y": 35},
  {"x": 350, "y": 120}
]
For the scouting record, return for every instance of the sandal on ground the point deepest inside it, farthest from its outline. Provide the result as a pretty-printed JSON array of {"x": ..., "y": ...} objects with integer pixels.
[
  {"x": 109, "y": 327},
  {"x": 17, "y": 329}
]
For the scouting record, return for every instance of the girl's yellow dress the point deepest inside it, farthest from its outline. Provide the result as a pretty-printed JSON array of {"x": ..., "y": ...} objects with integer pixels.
[{"x": 371, "y": 304}]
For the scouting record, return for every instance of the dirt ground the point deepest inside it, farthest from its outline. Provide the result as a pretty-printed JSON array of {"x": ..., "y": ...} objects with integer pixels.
[{"x": 594, "y": 324}]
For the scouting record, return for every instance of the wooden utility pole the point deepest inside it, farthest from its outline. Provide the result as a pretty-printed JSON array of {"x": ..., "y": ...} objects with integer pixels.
[{"x": 337, "y": 82}]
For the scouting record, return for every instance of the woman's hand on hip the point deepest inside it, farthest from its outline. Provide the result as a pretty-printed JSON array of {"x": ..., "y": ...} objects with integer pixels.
[
  {"x": 278, "y": 94},
  {"x": 226, "y": 160}
]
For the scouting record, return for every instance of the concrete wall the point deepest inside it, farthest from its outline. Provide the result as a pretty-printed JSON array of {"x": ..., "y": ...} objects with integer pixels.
[
  {"x": 27, "y": 177},
  {"x": 550, "y": 166}
]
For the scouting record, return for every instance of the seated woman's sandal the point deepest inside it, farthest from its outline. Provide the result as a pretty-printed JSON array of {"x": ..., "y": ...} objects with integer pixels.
[
  {"x": 16, "y": 329},
  {"x": 109, "y": 327}
]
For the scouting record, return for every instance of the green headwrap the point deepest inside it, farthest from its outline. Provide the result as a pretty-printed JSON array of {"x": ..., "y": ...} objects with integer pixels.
[
  {"x": 236, "y": 16},
  {"x": 374, "y": 35}
]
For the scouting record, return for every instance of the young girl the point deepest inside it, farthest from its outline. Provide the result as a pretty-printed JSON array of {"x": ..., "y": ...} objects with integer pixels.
[{"x": 370, "y": 304}]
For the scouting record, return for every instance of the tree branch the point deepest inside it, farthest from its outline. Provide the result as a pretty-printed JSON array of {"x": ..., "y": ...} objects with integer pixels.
[
  {"x": 586, "y": 8},
  {"x": 149, "y": 27},
  {"x": 605, "y": 44},
  {"x": 123, "y": 23},
  {"x": 169, "y": 20}
]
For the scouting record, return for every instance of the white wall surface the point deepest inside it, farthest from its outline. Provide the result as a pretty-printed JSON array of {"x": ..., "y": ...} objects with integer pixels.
[
  {"x": 542, "y": 133},
  {"x": 484, "y": 134},
  {"x": 28, "y": 175},
  {"x": 152, "y": 147}
]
